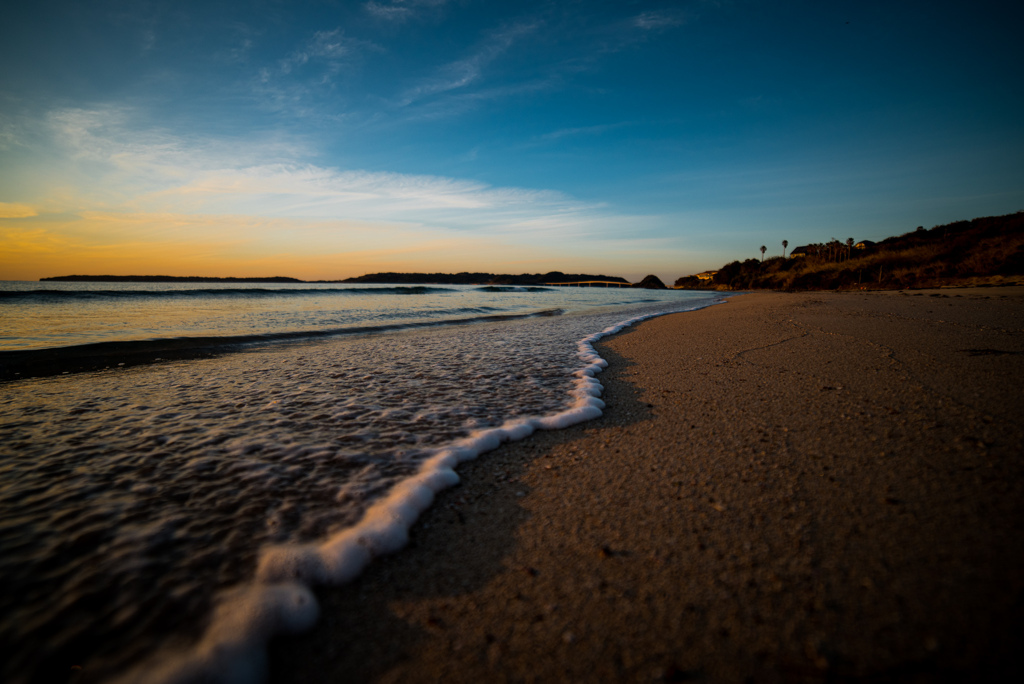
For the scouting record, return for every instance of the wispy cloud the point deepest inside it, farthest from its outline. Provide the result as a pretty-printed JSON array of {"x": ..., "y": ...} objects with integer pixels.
[
  {"x": 110, "y": 156},
  {"x": 657, "y": 21},
  {"x": 582, "y": 130},
  {"x": 454, "y": 103},
  {"x": 11, "y": 210},
  {"x": 115, "y": 164},
  {"x": 148, "y": 40},
  {"x": 464, "y": 83},
  {"x": 401, "y": 10},
  {"x": 293, "y": 84},
  {"x": 238, "y": 43},
  {"x": 469, "y": 70},
  {"x": 8, "y": 136},
  {"x": 309, "y": 191},
  {"x": 327, "y": 47}
]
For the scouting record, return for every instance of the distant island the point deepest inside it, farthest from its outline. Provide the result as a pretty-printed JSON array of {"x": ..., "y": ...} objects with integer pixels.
[
  {"x": 552, "y": 278},
  {"x": 164, "y": 279},
  {"x": 982, "y": 251},
  {"x": 524, "y": 279}
]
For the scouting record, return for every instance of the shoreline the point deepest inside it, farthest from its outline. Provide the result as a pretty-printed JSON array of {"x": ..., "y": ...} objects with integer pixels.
[
  {"x": 320, "y": 415},
  {"x": 863, "y": 521}
]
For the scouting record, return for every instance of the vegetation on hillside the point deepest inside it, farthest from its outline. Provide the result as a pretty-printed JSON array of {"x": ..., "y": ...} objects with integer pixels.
[{"x": 963, "y": 252}]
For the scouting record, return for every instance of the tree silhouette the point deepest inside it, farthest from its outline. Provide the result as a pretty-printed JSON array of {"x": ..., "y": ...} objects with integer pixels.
[
  {"x": 763, "y": 248},
  {"x": 849, "y": 247},
  {"x": 785, "y": 244}
]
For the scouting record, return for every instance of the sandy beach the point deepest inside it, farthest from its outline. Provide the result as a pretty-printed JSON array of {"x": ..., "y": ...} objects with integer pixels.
[{"x": 785, "y": 487}]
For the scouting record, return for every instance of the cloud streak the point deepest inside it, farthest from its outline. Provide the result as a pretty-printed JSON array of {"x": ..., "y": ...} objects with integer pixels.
[
  {"x": 10, "y": 210},
  {"x": 658, "y": 21},
  {"x": 462, "y": 84},
  {"x": 328, "y": 47},
  {"x": 298, "y": 83},
  {"x": 401, "y": 10},
  {"x": 582, "y": 131},
  {"x": 116, "y": 164},
  {"x": 148, "y": 192},
  {"x": 308, "y": 191},
  {"x": 469, "y": 70}
]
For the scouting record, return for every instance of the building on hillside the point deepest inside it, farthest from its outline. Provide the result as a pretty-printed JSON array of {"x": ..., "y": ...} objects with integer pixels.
[
  {"x": 798, "y": 252},
  {"x": 864, "y": 244},
  {"x": 706, "y": 275}
]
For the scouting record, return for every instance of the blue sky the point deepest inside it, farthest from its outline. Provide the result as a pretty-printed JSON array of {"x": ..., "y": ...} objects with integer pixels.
[{"x": 330, "y": 139}]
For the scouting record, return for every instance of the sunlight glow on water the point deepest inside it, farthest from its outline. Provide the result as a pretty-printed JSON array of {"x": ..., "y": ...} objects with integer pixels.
[{"x": 38, "y": 315}]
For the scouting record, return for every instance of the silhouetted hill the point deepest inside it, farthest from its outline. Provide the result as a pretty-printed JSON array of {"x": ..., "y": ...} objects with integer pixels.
[
  {"x": 164, "y": 279},
  {"x": 651, "y": 282},
  {"x": 478, "y": 278},
  {"x": 964, "y": 252}
]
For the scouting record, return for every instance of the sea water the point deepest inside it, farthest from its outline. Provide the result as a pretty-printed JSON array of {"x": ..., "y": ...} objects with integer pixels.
[{"x": 175, "y": 514}]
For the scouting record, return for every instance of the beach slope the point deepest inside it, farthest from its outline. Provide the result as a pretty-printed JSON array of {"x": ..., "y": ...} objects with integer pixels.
[{"x": 786, "y": 487}]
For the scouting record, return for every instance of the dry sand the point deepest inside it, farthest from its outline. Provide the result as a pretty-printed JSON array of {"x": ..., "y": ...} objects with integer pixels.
[{"x": 786, "y": 487}]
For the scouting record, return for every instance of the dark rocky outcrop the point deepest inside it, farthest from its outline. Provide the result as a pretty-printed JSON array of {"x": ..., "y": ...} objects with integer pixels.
[{"x": 651, "y": 282}]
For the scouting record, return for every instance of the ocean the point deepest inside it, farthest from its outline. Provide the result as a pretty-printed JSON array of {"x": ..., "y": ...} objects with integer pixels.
[{"x": 228, "y": 447}]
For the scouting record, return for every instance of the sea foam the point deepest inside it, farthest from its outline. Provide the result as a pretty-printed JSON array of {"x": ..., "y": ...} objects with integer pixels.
[{"x": 279, "y": 599}]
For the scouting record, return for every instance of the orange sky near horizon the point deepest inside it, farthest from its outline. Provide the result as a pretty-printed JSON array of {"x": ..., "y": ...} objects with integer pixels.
[{"x": 94, "y": 243}]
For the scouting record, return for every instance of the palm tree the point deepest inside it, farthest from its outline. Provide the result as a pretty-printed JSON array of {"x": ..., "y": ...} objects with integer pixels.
[
  {"x": 763, "y": 248},
  {"x": 785, "y": 244},
  {"x": 849, "y": 247}
]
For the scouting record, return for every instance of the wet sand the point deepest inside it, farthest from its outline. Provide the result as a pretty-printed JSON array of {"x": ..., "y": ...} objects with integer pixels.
[{"x": 786, "y": 487}]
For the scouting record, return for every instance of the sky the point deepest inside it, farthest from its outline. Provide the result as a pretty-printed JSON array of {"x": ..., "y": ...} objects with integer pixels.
[{"x": 328, "y": 139}]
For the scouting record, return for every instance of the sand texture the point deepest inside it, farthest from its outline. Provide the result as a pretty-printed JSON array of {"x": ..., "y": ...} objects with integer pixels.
[{"x": 786, "y": 487}]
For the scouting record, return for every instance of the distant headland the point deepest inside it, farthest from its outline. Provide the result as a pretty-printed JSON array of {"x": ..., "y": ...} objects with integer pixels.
[
  {"x": 164, "y": 279},
  {"x": 526, "y": 279},
  {"x": 551, "y": 278},
  {"x": 980, "y": 252}
]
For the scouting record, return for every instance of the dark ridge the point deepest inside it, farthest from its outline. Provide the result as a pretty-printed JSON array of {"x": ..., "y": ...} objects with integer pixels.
[
  {"x": 164, "y": 279},
  {"x": 480, "y": 278},
  {"x": 372, "y": 278},
  {"x": 220, "y": 293}
]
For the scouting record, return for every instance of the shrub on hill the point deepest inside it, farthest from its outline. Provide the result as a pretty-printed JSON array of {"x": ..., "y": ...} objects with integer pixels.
[{"x": 948, "y": 254}]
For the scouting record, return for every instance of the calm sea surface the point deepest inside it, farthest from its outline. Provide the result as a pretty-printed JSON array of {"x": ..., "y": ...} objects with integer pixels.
[{"x": 133, "y": 497}]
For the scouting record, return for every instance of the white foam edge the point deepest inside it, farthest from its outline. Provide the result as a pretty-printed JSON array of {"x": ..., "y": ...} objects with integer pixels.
[{"x": 279, "y": 600}]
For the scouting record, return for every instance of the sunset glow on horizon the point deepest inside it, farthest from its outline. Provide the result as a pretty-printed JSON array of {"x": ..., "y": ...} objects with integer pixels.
[{"x": 337, "y": 139}]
